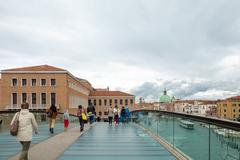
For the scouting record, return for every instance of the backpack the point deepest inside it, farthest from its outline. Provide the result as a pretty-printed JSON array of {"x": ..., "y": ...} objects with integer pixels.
[{"x": 50, "y": 113}]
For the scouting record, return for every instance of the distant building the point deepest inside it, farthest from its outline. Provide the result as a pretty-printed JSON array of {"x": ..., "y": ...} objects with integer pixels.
[
  {"x": 166, "y": 102},
  {"x": 197, "y": 107},
  {"x": 102, "y": 99},
  {"x": 229, "y": 108},
  {"x": 44, "y": 85}
]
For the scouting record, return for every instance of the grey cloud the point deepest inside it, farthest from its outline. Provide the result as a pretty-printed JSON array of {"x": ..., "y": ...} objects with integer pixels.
[
  {"x": 184, "y": 39},
  {"x": 185, "y": 89}
]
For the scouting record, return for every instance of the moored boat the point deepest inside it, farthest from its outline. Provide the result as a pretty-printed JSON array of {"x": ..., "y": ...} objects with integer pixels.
[{"x": 186, "y": 124}]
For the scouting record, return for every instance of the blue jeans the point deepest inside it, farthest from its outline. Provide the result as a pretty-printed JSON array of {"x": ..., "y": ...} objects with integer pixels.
[{"x": 91, "y": 119}]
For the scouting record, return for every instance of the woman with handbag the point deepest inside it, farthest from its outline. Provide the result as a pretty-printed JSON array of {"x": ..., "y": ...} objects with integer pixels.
[
  {"x": 52, "y": 114},
  {"x": 26, "y": 125}
]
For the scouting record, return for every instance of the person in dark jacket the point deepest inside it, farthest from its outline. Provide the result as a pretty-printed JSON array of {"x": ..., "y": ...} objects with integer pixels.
[
  {"x": 52, "y": 114},
  {"x": 79, "y": 114},
  {"x": 123, "y": 115},
  {"x": 91, "y": 113}
]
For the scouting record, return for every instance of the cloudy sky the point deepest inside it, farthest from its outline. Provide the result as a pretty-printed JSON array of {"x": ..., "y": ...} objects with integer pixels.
[{"x": 192, "y": 48}]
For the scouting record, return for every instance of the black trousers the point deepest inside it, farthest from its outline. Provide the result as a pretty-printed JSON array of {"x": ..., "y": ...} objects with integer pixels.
[
  {"x": 110, "y": 120},
  {"x": 81, "y": 122}
]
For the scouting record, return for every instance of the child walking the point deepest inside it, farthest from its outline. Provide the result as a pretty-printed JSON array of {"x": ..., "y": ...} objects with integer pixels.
[{"x": 66, "y": 120}]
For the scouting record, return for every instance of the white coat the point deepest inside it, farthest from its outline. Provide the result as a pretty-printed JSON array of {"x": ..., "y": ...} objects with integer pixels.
[{"x": 27, "y": 123}]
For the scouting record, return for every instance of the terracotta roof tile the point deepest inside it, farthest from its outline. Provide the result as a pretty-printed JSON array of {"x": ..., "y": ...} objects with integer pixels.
[
  {"x": 235, "y": 97},
  {"x": 109, "y": 93},
  {"x": 36, "y": 68}
]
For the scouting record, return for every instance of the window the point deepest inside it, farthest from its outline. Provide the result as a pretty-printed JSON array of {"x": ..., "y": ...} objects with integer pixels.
[
  {"x": 224, "y": 115},
  {"x": 14, "y": 82},
  {"x": 131, "y": 101},
  {"x": 110, "y": 102},
  {"x": 24, "y": 82},
  {"x": 234, "y": 105},
  {"x": 94, "y": 102},
  {"x": 53, "y": 98},
  {"x": 121, "y": 101},
  {"x": 126, "y": 101},
  {"x": 24, "y": 97},
  {"x": 100, "y": 102},
  {"x": 89, "y": 102},
  {"x": 14, "y": 98},
  {"x": 34, "y": 82},
  {"x": 43, "y": 98},
  {"x": 53, "y": 82},
  {"x": 105, "y": 113},
  {"x": 43, "y": 82},
  {"x": 234, "y": 110},
  {"x": 115, "y": 101},
  {"x": 225, "y": 110},
  {"x": 100, "y": 113},
  {"x": 105, "y": 102},
  {"x": 34, "y": 98}
]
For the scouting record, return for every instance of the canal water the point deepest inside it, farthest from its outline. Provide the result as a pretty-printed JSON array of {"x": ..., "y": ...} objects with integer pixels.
[{"x": 193, "y": 142}]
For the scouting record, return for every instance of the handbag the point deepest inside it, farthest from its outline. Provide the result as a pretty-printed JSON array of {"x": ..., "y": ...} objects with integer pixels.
[{"x": 14, "y": 126}]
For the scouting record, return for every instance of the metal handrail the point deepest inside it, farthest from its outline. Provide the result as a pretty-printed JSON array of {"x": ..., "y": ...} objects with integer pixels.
[{"x": 228, "y": 124}]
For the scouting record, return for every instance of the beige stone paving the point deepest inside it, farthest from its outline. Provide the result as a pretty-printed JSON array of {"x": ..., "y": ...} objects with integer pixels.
[{"x": 52, "y": 148}]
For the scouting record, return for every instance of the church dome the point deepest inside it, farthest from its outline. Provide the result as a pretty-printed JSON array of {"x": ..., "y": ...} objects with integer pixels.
[{"x": 165, "y": 98}]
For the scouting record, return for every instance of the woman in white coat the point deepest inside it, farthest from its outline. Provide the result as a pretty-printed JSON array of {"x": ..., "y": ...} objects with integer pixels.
[{"x": 27, "y": 124}]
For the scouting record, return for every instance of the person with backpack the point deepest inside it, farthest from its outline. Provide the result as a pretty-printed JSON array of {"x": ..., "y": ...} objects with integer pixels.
[
  {"x": 52, "y": 115},
  {"x": 26, "y": 125},
  {"x": 128, "y": 114},
  {"x": 82, "y": 117},
  {"x": 91, "y": 113},
  {"x": 66, "y": 119},
  {"x": 123, "y": 114}
]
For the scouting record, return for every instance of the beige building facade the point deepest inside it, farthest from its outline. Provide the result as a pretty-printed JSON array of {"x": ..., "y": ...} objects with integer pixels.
[
  {"x": 102, "y": 99},
  {"x": 229, "y": 108},
  {"x": 44, "y": 85}
]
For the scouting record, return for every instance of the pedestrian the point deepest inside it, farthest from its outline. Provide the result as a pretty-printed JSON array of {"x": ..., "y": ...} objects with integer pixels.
[
  {"x": 128, "y": 114},
  {"x": 91, "y": 113},
  {"x": 52, "y": 115},
  {"x": 123, "y": 114},
  {"x": 66, "y": 119},
  {"x": 116, "y": 115},
  {"x": 80, "y": 117},
  {"x": 27, "y": 124},
  {"x": 110, "y": 115}
]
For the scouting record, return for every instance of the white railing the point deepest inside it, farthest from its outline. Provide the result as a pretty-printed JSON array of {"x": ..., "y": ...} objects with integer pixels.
[{"x": 33, "y": 106}]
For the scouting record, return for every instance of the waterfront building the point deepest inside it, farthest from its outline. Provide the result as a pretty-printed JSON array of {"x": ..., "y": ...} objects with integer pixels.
[
  {"x": 229, "y": 108},
  {"x": 44, "y": 85},
  {"x": 197, "y": 107},
  {"x": 102, "y": 99}
]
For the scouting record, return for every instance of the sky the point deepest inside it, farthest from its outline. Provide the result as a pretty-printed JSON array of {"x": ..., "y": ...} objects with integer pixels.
[{"x": 191, "y": 48}]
